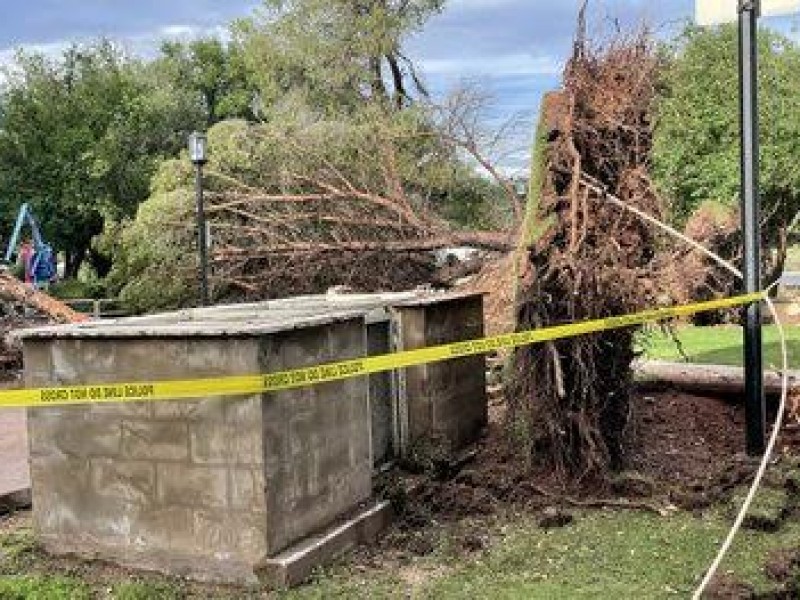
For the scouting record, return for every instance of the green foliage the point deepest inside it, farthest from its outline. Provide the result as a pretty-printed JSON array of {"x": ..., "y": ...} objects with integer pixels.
[
  {"x": 333, "y": 53},
  {"x": 214, "y": 73},
  {"x": 696, "y": 152},
  {"x": 80, "y": 138},
  {"x": 77, "y": 289},
  {"x": 154, "y": 263}
]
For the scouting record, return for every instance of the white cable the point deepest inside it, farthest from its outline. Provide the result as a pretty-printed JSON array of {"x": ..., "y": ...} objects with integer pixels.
[
  {"x": 762, "y": 468},
  {"x": 598, "y": 188}
]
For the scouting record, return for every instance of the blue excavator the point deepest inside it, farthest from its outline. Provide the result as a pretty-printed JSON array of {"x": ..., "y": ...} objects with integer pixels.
[{"x": 36, "y": 255}]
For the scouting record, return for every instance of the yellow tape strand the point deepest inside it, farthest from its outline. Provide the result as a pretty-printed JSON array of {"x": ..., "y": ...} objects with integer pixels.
[{"x": 285, "y": 380}]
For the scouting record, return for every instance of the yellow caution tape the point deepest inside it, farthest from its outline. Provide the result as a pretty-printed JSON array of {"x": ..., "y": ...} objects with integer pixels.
[{"x": 284, "y": 380}]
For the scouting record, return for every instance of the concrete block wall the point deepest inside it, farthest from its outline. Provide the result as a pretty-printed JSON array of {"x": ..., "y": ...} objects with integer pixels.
[
  {"x": 212, "y": 488},
  {"x": 207, "y": 488},
  {"x": 317, "y": 443},
  {"x": 444, "y": 401}
]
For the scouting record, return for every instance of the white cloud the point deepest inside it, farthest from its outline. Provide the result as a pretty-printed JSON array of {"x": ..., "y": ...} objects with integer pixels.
[
  {"x": 189, "y": 32},
  {"x": 143, "y": 44},
  {"x": 179, "y": 31}
]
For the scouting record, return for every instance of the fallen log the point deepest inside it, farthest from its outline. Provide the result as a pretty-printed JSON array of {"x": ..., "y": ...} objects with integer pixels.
[
  {"x": 13, "y": 289},
  {"x": 705, "y": 379}
]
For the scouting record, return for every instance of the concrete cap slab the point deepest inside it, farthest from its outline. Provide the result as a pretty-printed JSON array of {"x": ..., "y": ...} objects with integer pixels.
[{"x": 252, "y": 319}]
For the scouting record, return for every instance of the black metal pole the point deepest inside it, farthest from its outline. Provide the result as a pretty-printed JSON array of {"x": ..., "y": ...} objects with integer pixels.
[
  {"x": 202, "y": 242},
  {"x": 755, "y": 406}
]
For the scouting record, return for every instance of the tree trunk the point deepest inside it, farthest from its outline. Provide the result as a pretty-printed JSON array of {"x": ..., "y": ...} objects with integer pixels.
[
  {"x": 74, "y": 260},
  {"x": 704, "y": 379}
]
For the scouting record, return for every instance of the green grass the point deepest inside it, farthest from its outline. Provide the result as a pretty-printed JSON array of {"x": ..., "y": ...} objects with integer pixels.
[
  {"x": 603, "y": 554},
  {"x": 43, "y": 587},
  {"x": 610, "y": 554},
  {"x": 721, "y": 345},
  {"x": 133, "y": 590}
]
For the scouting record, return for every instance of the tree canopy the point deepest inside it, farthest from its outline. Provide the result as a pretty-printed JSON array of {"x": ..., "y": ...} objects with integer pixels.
[
  {"x": 334, "y": 53},
  {"x": 697, "y": 130},
  {"x": 80, "y": 137},
  {"x": 215, "y": 73}
]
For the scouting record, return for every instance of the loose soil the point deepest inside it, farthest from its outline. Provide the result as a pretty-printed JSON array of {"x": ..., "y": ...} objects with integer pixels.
[{"x": 681, "y": 444}]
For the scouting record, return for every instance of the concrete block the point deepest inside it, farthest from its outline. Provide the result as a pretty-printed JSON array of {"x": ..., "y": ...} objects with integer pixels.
[
  {"x": 239, "y": 410},
  {"x": 215, "y": 443},
  {"x": 247, "y": 490},
  {"x": 225, "y": 534},
  {"x": 182, "y": 484},
  {"x": 127, "y": 409},
  {"x": 128, "y": 480},
  {"x": 296, "y": 564},
  {"x": 210, "y": 410},
  {"x": 143, "y": 440},
  {"x": 166, "y": 528},
  {"x": 89, "y": 439}
]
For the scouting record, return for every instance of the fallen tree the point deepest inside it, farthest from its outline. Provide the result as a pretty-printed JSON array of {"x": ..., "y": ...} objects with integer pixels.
[
  {"x": 16, "y": 292},
  {"x": 23, "y": 306},
  {"x": 347, "y": 205},
  {"x": 299, "y": 205}
]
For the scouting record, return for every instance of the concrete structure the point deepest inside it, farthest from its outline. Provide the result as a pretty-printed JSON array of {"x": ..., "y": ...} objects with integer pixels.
[
  {"x": 227, "y": 488},
  {"x": 441, "y": 402},
  {"x": 14, "y": 476}
]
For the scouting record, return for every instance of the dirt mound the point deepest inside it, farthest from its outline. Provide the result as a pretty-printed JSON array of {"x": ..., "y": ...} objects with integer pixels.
[
  {"x": 683, "y": 438},
  {"x": 688, "y": 451}
]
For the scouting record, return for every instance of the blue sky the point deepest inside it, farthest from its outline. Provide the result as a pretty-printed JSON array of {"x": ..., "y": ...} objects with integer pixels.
[{"x": 512, "y": 49}]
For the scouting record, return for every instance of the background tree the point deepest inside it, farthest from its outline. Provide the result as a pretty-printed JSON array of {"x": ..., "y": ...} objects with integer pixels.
[
  {"x": 80, "y": 138},
  {"x": 213, "y": 71},
  {"x": 696, "y": 152},
  {"x": 334, "y": 53}
]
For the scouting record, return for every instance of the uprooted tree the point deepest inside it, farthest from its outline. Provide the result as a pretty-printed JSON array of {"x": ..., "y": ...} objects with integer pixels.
[{"x": 584, "y": 258}]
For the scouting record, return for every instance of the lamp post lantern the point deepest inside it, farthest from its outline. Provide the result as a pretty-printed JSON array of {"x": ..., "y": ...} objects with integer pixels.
[{"x": 197, "y": 153}]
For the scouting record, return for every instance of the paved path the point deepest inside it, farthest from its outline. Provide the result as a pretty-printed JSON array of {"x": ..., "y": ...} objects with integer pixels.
[
  {"x": 790, "y": 279},
  {"x": 14, "y": 475}
]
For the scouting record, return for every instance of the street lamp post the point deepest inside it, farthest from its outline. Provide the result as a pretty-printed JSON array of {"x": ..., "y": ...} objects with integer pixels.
[
  {"x": 197, "y": 153},
  {"x": 755, "y": 403}
]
